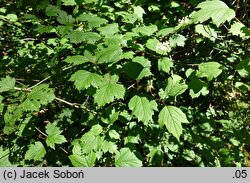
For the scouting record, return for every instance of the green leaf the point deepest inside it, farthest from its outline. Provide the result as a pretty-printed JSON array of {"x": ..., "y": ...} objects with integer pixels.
[
  {"x": 162, "y": 48},
  {"x": 142, "y": 108},
  {"x": 111, "y": 54},
  {"x": 44, "y": 29},
  {"x": 76, "y": 59},
  {"x": 206, "y": 31},
  {"x": 35, "y": 152},
  {"x": 175, "y": 86},
  {"x": 54, "y": 135},
  {"x": 1, "y": 104},
  {"x": 88, "y": 142},
  {"x": 40, "y": 95},
  {"x": 109, "y": 29},
  {"x": 166, "y": 31},
  {"x": 113, "y": 134},
  {"x": 108, "y": 146},
  {"x": 65, "y": 19},
  {"x": 96, "y": 130},
  {"x": 79, "y": 36},
  {"x": 84, "y": 79},
  {"x": 69, "y": 2},
  {"x": 139, "y": 11},
  {"x": 172, "y": 117},
  {"x": 83, "y": 161},
  {"x": 126, "y": 158},
  {"x": 92, "y": 19},
  {"x": 139, "y": 68},
  {"x": 236, "y": 29},
  {"x": 4, "y": 157},
  {"x": 209, "y": 70},
  {"x": 64, "y": 29},
  {"x": 108, "y": 92},
  {"x": 165, "y": 64},
  {"x": 7, "y": 84},
  {"x": 52, "y": 10},
  {"x": 197, "y": 87},
  {"x": 217, "y": 10},
  {"x": 146, "y": 30},
  {"x": 243, "y": 68},
  {"x": 12, "y": 114},
  {"x": 177, "y": 40}
]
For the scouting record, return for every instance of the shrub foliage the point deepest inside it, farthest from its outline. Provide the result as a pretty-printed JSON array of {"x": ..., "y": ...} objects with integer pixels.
[{"x": 124, "y": 83}]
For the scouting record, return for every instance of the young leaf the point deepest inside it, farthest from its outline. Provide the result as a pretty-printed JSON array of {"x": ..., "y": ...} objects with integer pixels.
[
  {"x": 7, "y": 84},
  {"x": 84, "y": 79},
  {"x": 36, "y": 152},
  {"x": 54, "y": 135},
  {"x": 40, "y": 95},
  {"x": 142, "y": 108},
  {"x": 107, "y": 93},
  {"x": 172, "y": 117},
  {"x": 217, "y": 10},
  {"x": 209, "y": 70},
  {"x": 126, "y": 158}
]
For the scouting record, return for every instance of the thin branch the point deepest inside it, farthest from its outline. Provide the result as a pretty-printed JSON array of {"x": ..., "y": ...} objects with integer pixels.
[
  {"x": 22, "y": 89},
  {"x": 68, "y": 103},
  {"x": 41, "y": 132},
  {"x": 40, "y": 82}
]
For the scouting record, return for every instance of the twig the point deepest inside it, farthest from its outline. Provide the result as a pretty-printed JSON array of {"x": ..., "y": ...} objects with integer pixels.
[
  {"x": 22, "y": 89},
  {"x": 41, "y": 131},
  {"x": 69, "y": 103},
  {"x": 39, "y": 82}
]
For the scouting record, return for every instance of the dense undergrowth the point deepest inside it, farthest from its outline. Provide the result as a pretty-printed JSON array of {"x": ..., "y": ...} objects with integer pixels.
[{"x": 124, "y": 83}]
